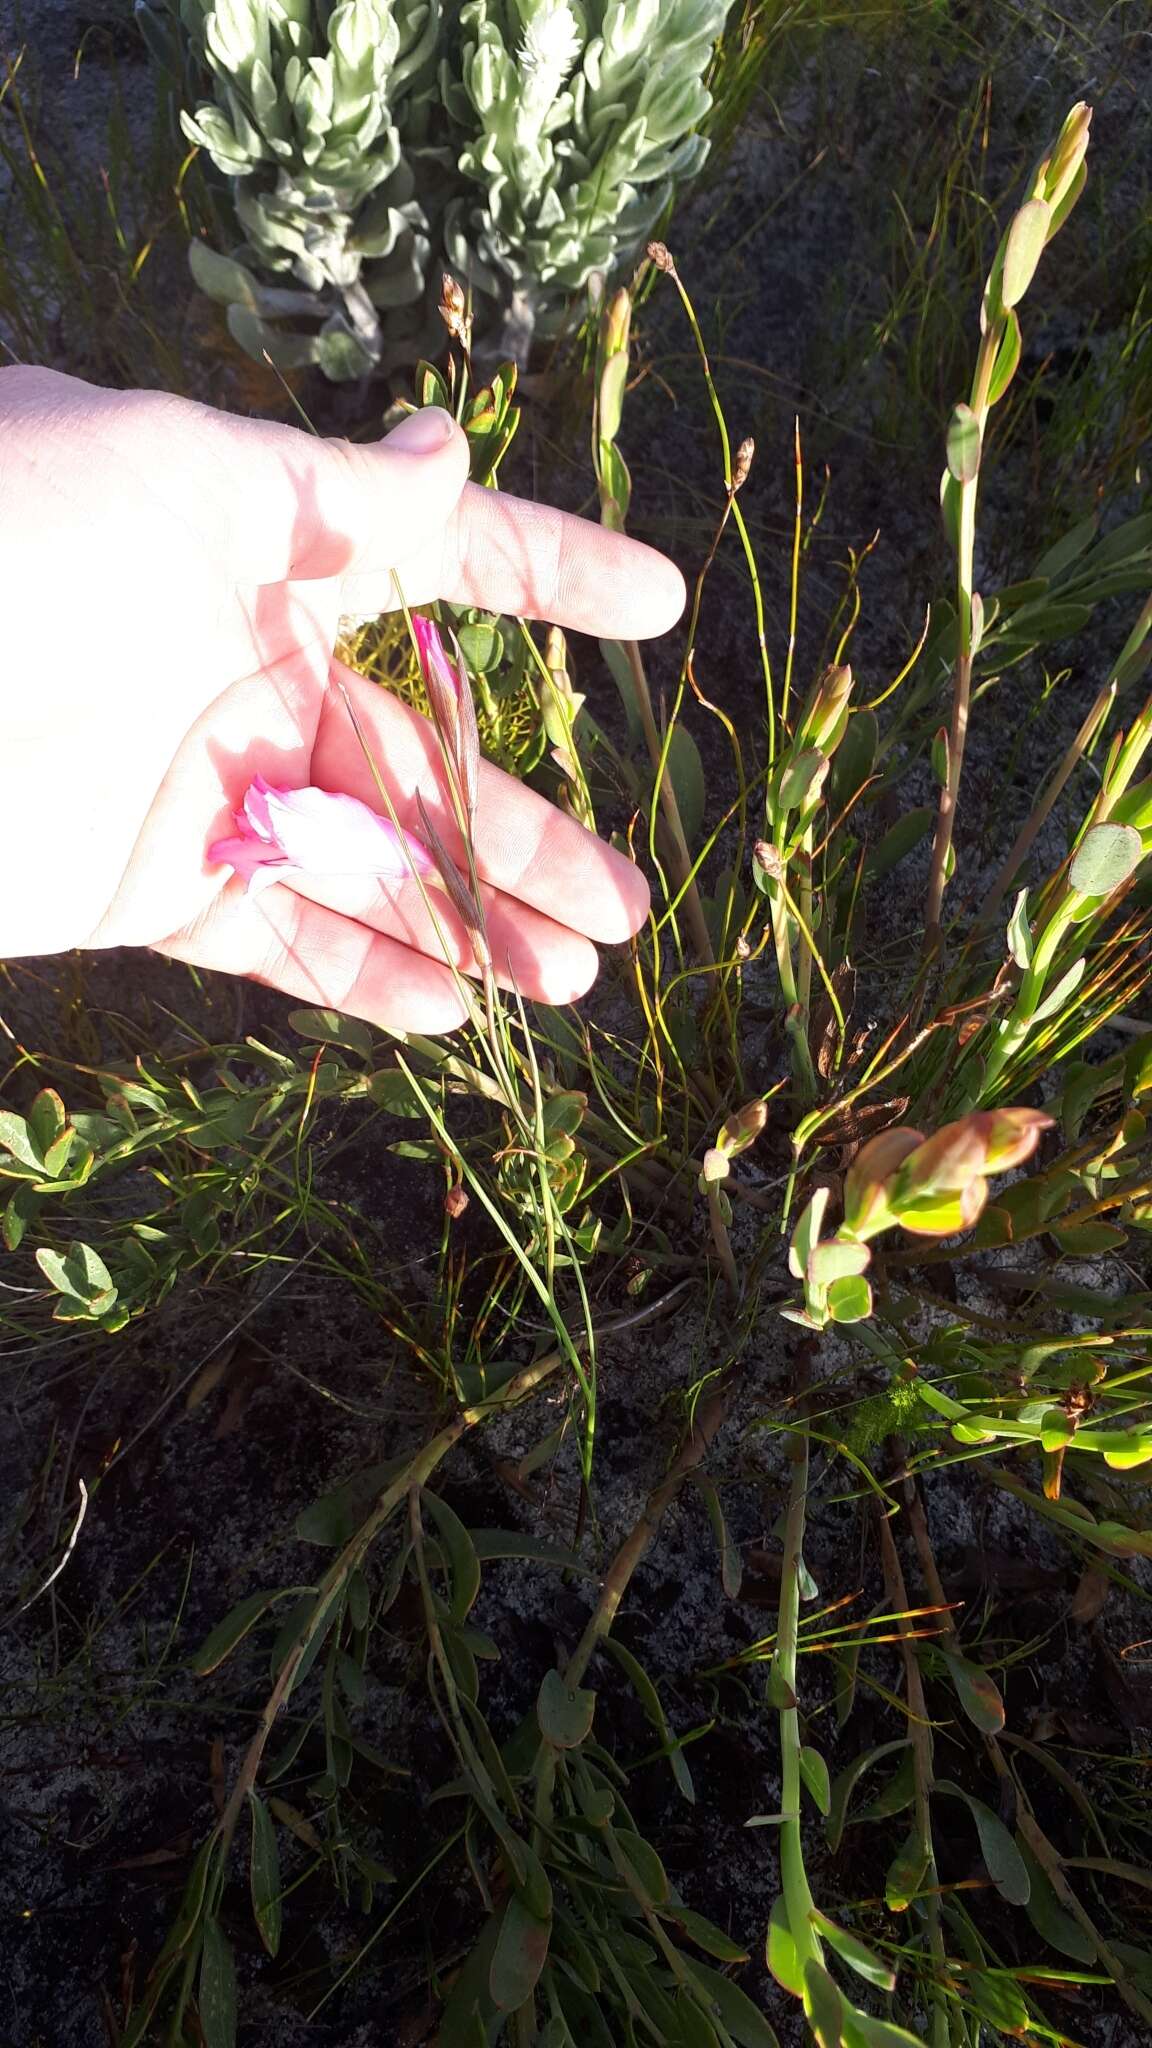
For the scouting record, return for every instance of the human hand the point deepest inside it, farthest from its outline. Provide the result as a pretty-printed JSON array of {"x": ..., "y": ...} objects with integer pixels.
[{"x": 172, "y": 580}]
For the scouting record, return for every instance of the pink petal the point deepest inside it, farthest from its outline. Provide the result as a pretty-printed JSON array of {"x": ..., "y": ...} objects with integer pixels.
[
  {"x": 256, "y": 812},
  {"x": 245, "y": 854},
  {"x": 434, "y": 661},
  {"x": 315, "y": 832}
]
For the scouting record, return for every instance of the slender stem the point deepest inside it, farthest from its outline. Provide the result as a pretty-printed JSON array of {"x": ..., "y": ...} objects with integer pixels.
[
  {"x": 921, "y": 1737},
  {"x": 721, "y": 1239},
  {"x": 962, "y": 679},
  {"x": 681, "y": 857},
  {"x": 794, "y": 1884}
]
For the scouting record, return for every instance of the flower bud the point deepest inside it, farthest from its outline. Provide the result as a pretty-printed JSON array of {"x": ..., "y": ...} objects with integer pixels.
[
  {"x": 617, "y": 322},
  {"x": 942, "y": 1185},
  {"x": 1059, "y": 170},
  {"x": 743, "y": 1128},
  {"x": 455, "y": 1201},
  {"x": 944, "y": 1163},
  {"x": 1012, "y": 1136},
  {"x": 866, "y": 1208},
  {"x": 825, "y": 714}
]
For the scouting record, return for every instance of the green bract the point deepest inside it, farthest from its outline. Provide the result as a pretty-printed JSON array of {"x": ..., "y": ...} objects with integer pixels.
[{"x": 530, "y": 145}]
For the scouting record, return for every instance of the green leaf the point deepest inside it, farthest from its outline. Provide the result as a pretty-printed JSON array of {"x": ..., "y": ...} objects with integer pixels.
[
  {"x": 963, "y": 444},
  {"x": 777, "y": 1691},
  {"x": 334, "y": 1519},
  {"x": 684, "y": 2025},
  {"x": 482, "y": 646},
  {"x": 1056, "y": 998},
  {"x": 1002, "y": 1858},
  {"x": 393, "y": 1092},
  {"x": 79, "y": 1273},
  {"x": 645, "y": 1863},
  {"x": 1007, "y": 358},
  {"x": 1086, "y": 1240},
  {"x": 242, "y": 1618},
  {"x": 806, "y": 1235},
  {"x": 491, "y": 1545},
  {"x": 850, "y": 1299},
  {"x": 731, "y": 1562},
  {"x": 1020, "y": 932},
  {"x": 998, "y": 1998},
  {"x": 47, "y": 1120},
  {"x": 686, "y": 774},
  {"x": 906, "y": 1873},
  {"x": 654, "y": 1709},
  {"x": 17, "y": 1139},
  {"x": 899, "y": 841},
  {"x": 461, "y": 1560},
  {"x": 823, "y": 2004},
  {"x": 837, "y": 1259},
  {"x": 801, "y": 777},
  {"x": 331, "y": 1027},
  {"x": 564, "y": 1712},
  {"x": 895, "y": 1796},
  {"x": 707, "y": 1936},
  {"x": 1033, "y": 624},
  {"x": 222, "y": 278},
  {"x": 950, "y": 507},
  {"x": 18, "y": 1214},
  {"x": 854, "y": 1952},
  {"x": 854, "y": 759},
  {"x": 878, "y": 2033},
  {"x": 1069, "y": 547},
  {"x": 1023, "y": 249},
  {"x": 1105, "y": 858},
  {"x": 814, "y": 1772},
  {"x": 621, "y": 671},
  {"x": 940, "y": 757},
  {"x": 264, "y": 1876},
  {"x": 519, "y": 1956},
  {"x": 733, "y": 2007},
  {"x": 844, "y": 1784},
  {"x": 217, "y": 1988},
  {"x": 783, "y": 1955},
  {"x": 1051, "y": 1919},
  {"x": 978, "y": 1694}
]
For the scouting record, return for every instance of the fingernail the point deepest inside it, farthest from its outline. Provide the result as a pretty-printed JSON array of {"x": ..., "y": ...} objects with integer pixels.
[{"x": 423, "y": 432}]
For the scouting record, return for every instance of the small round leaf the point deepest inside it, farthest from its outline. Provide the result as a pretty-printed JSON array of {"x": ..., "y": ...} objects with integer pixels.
[{"x": 1105, "y": 858}]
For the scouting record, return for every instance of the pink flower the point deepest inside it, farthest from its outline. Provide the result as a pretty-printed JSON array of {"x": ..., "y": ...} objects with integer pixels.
[
  {"x": 440, "y": 673},
  {"x": 286, "y": 832},
  {"x": 453, "y": 711}
]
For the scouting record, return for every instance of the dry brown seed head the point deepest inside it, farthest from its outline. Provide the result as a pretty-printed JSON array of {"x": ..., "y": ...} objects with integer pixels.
[
  {"x": 453, "y": 307},
  {"x": 455, "y": 1201},
  {"x": 659, "y": 255},
  {"x": 742, "y": 464},
  {"x": 767, "y": 857}
]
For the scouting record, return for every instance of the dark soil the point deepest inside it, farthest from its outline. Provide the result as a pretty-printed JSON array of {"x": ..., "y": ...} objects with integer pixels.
[{"x": 111, "y": 1752}]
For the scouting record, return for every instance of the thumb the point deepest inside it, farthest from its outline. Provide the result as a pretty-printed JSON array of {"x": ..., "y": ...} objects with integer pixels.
[{"x": 304, "y": 507}]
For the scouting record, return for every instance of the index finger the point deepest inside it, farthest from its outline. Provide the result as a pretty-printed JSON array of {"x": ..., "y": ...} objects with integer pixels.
[{"x": 508, "y": 555}]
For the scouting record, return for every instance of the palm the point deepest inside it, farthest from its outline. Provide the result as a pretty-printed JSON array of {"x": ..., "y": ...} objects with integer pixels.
[{"x": 209, "y": 560}]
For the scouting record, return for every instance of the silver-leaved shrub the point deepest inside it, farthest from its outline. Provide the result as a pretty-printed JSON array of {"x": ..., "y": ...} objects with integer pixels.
[{"x": 527, "y": 143}]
